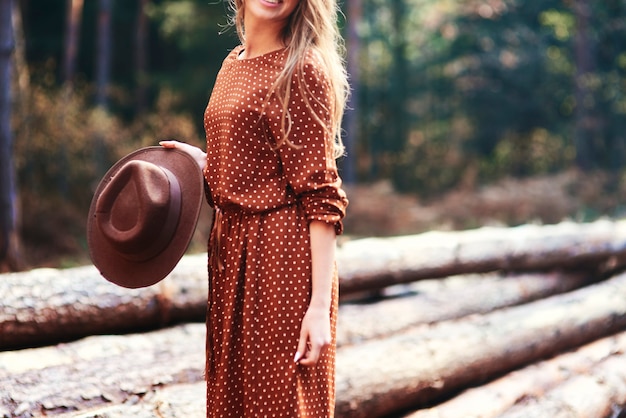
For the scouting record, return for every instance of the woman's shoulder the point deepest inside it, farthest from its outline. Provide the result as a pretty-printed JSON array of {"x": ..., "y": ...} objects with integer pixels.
[
  {"x": 312, "y": 64},
  {"x": 312, "y": 58},
  {"x": 312, "y": 68}
]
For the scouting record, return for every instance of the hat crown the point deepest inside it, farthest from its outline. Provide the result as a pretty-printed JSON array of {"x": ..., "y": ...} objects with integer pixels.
[{"x": 139, "y": 209}]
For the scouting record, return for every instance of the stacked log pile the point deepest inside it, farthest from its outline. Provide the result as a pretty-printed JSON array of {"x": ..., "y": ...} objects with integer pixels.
[{"x": 494, "y": 322}]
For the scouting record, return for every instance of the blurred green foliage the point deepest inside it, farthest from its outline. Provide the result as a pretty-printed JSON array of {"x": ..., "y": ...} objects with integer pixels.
[{"x": 490, "y": 90}]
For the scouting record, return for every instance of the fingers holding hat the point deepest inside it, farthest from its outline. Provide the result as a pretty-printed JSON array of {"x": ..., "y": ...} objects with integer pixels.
[
  {"x": 172, "y": 143},
  {"x": 196, "y": 153}
]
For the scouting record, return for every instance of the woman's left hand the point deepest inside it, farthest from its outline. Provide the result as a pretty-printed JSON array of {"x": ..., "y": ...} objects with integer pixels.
[
  {"x": 315, "y": 336},
  {"x": 196, "y": 153}
]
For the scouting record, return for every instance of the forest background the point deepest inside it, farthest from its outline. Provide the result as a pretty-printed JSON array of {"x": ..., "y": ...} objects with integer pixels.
[{"x": 463, "y": 112}]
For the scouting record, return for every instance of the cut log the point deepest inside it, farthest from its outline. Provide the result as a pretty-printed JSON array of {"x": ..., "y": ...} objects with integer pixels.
[
  {"x": 420, "y": 366},
  {"x": 373, "y": 379},
  {"x": 439, "y": 300},
  {"x": 534, "y": 381},
  {"x": 374, "y": 263},
  {"x": 178, "y": 401},
  {"x": 591, "y": 395},
  {"x": 100, "y": 370},
  {"x": 46, "y": 306}
]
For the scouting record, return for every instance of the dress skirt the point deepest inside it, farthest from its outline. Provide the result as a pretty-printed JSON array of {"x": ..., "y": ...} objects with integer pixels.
[{"x": 259, "y": 292}]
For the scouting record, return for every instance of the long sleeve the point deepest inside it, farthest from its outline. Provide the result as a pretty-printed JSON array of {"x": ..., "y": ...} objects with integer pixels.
[{"x": 308, "y": 162}]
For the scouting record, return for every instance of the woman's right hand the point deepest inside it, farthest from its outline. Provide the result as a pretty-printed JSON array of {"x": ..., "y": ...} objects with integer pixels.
[{"x": 196, "y": 153}]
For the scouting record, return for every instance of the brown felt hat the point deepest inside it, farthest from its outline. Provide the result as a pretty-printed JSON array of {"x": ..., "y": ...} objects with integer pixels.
[{"x": 143, "y": 215}]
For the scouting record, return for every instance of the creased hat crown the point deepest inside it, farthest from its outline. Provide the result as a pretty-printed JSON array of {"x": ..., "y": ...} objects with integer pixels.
[{"x": 138, "y": 210}]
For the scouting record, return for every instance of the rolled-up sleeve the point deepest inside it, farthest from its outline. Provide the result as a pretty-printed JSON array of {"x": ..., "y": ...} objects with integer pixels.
[{"x": 308, "y": 164}]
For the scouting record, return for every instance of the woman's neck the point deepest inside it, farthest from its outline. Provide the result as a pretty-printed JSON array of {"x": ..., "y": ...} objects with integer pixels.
[{"x": 261, "y": 38}]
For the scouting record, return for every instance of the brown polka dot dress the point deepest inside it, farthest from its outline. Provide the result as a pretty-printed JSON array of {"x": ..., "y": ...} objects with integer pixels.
[{"x": 259, "y": 251}]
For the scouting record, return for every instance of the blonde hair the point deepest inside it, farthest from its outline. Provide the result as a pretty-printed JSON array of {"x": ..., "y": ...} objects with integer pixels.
[{"x": 313, "y": 27}]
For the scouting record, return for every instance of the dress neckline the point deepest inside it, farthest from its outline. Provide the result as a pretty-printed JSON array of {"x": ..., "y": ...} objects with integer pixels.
[{"x": 236, "y": 55}]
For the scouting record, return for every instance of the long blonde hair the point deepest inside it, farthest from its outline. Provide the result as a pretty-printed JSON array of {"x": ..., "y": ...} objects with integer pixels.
[{"x": 312, "y": 26}]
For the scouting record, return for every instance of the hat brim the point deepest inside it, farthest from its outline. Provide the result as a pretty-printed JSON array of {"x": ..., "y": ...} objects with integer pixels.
[{"x": 134, "y": 274}]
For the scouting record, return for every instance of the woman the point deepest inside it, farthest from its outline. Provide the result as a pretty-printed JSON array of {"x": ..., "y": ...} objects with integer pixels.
[{"x": 272, "y": 127}]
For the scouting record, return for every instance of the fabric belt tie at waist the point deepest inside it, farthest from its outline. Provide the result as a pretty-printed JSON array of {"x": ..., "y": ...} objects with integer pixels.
[
  {"x": 215, "y": 239},
  {"x": 217, "y": 265}
]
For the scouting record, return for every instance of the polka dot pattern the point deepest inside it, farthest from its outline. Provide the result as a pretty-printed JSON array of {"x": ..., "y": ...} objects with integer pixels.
[{"x": 260, "y": 289}]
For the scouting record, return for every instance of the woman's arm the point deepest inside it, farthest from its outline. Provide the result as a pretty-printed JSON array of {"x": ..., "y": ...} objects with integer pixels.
[
  {"x": 315, "y": 332},
  {"x": 195, "y": 152}
]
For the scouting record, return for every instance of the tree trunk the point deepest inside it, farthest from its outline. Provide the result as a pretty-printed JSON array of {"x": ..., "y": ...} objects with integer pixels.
[
  {"x": 533, "y": 382},
  {"x": 103, "y": 51},
  {"x": 351, "y": 124},
  {"x": 73, "y": 17},
  {"x": 74, "y": 10},
  {"x": 10, "y": 258},
  {"x": 19, "y": 56},
  {"x": 425, "y": 364},
  {"x": 584, "y": 123},
  {"x": 399, "y": 118},
  {"x": 374, "y": 263},
  {"x": 141, "y": 52},
  {"x": 103, "y": 69}
]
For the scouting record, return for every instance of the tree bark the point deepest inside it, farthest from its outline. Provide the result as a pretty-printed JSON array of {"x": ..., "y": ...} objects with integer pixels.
[
  {"x": 424, "y": 364},
  {"x": 493, "y": 399},
  {"x": 592, "y": 395},
  {"x": 99, "y": 371},
  {"x": 177, "y": 401},
  {"x": 374, "y": 263}
]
